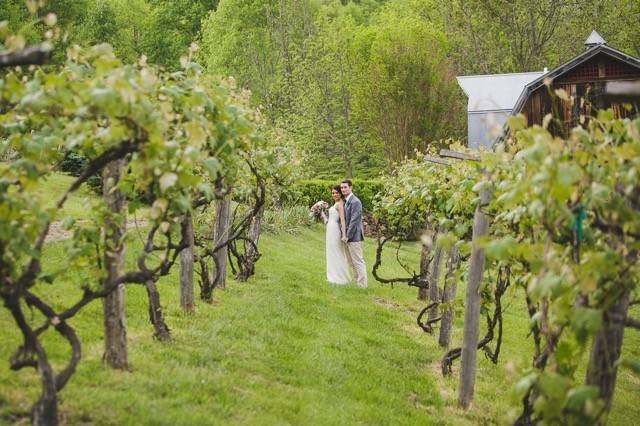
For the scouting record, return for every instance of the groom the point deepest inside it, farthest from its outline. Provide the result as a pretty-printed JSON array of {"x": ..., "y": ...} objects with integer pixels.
[{"x": 355, "y": 232}]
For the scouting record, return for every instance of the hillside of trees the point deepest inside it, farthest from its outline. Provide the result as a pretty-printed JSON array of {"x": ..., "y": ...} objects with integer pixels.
[{"x": 353, "y": 86}]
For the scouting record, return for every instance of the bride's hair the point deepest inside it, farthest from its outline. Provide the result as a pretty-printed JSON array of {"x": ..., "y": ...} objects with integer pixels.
[{"x": 337, "y": 189}]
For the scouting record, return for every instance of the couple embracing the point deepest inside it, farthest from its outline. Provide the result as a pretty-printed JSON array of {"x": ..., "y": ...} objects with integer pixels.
[{"x": 345, "y": 234}]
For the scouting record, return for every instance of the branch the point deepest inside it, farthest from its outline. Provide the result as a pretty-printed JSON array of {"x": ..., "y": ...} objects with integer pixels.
[
  {"x": 30, "y": 353},
  {"x": 32, "y": 268},
  {"x": 32, "y": 55},
  {"x": 65, "y": 331},
  {"x": 612, "y": 228},
  {"x": 427, "y": 327},
  {"x": 501, "y": 287},
  {"x": 414, "y": 281},
  {"x": 259, "y": 196},
  {"x": 632, "y": 323}
]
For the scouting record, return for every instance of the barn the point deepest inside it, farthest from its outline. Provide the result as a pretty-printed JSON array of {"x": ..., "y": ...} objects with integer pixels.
[
  {"x": 583, "y": 79},
  {"x": 493, "y": 98},
  {"x": 490, "y": 103}
]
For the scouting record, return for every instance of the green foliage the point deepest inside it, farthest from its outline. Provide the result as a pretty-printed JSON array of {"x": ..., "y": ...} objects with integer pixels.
[
  {"x": 264, "y": 342},
  {"x": 404, "y": 92},
  {"x": 160, "y": 29},
  {"x": 351, "y": 85},
  {"x": 73, "y": 163},
  {"x": 172, "y": 25},
  {"x": 511, "y": 36},
  {"x": 565, "y": 216},
  {"x": 424, "y": 195},
  {"x": 179, "y": 133},
  {"x": 289, "y": 220},
  {"x": 572, "y": 207},
  {"x": 307, "y": 192}
]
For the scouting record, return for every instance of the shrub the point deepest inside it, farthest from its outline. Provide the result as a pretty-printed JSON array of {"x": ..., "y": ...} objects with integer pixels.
[
  {"x": 73, "y": 163},
  {"x": 288, "y": 220},
  {"x": 307, "y": 192},
  {"x": 7, "y": 153}
]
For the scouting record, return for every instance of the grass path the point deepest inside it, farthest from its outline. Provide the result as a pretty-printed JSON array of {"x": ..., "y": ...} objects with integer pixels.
[{"x": 284, "y": 348}]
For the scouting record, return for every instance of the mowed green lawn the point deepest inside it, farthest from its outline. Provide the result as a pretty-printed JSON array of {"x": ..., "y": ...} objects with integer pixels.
[{"x": 283, "y": 348}]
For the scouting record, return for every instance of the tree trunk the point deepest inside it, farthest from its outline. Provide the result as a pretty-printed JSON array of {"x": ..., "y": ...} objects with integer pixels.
[
  {"x": 251, "y": 254},
  {"x": 221, "y": 234},
  {"x": 449, "y": 295},
  {"x": 186, "y": 266},
  {"x": 115, "y": 333},
  {"x": 606, "y": 349},
  {"x": 434, "y": 277},
  {"x": 472, "y": 305},
  {"x": 424, "y": 271},
  {"x": 161, "y": 332}
]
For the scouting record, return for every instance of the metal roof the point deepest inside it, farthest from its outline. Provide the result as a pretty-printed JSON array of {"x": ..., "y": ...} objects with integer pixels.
[
  {"x": 594, "y": 39},
  {"x": 592, "y": 51},
  {"x": 495, "y": 92}
]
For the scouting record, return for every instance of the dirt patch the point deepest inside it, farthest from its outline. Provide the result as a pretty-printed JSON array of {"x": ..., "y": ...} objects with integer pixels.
[
  {"x": 388, "y": 303},
  {"x": 412, "y": 308},
  {"x": 57, "y": 233}
]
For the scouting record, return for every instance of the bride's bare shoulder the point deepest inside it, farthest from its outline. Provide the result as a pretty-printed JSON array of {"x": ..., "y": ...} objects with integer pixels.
[{"x": 340, "y": 205}]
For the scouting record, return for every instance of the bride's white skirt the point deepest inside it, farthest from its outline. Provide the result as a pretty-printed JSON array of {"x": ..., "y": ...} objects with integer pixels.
[{"x": 338, "y": 265}]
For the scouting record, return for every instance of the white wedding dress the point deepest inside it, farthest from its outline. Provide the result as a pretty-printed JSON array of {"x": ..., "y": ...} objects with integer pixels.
[{"x": 338, "y": 267}]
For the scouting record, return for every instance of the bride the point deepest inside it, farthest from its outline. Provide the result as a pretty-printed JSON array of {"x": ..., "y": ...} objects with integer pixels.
[{"x": 338, "y": 268}]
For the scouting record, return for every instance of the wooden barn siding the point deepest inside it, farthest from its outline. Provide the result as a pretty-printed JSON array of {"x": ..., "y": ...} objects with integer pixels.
[
  {"x": 585, "y": 99},
  {"x": 585, "y": 87}
]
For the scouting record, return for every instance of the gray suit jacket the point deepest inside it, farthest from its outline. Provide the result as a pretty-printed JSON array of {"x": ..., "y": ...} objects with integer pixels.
[{"x": 353, "y": 219}]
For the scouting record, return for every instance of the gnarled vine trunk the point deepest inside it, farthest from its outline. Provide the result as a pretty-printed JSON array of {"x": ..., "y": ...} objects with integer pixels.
[
  {"x": 186, "y": 266},
  {"x": 251, "y": 253},
  {"x": 45, "y": 410},
  {"x": 115, "y": 333},
  {"x": 161, "y": 330},
  {"x": 605, "y": 351}
]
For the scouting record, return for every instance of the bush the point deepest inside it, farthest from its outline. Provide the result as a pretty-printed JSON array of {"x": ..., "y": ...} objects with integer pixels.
[
  {"x": 289, "y": 220},
  {"x": 95, "y": 183},
  {"x": 307, "y": 192},
  {"x": 73, "y": 163},
  {"x": 7, "y": 153}
]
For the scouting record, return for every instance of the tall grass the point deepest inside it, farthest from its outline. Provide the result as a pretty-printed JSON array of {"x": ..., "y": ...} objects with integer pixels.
[{"x": 288, "y": 220}]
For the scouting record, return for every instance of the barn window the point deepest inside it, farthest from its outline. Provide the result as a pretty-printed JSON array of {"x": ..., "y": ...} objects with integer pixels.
[
  {"x": 618, "y": 69},
  {"x": 588, "y": 72}
]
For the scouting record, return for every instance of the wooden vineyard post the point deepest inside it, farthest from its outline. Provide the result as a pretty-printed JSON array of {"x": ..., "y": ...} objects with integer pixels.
[
  {"x": 115, "y": 332},
  {"x": 221, "y": 234},
  {"x": 186, "y": 266},
  {"x": 434, "y": 277},
  {"x": 472, "y": 304},
  {"x": 448, "y": 296},
  {"x": 424, "y": 270},
  {"x": 425, "y": 264}
]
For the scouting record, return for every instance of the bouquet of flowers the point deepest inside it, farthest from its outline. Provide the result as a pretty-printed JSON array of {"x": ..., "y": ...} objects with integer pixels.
[{"x": 317, "y": 209}]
